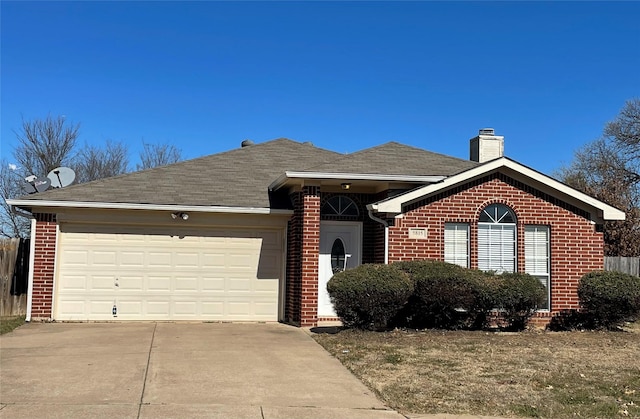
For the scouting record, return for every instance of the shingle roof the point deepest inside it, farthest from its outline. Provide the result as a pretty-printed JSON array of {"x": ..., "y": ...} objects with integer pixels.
[
  {"x": 236, "y": 178},
  {"x": 241, "y": 177},
  {"x": 395, "y": 159}
]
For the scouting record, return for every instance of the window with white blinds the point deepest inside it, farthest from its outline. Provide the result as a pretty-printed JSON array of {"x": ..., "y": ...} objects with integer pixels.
[
  {"x": 456, "y": 244},
  {"x": 497, "y": 247},
  {"x": 537, "y": 255}
]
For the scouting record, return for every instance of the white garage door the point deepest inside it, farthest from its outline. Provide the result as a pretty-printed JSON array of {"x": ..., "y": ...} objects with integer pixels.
[{"x": 223, "y": 274}]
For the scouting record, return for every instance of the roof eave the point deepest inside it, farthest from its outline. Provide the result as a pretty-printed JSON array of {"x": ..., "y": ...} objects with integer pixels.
[
  {"x": 282, "y": 180},
  {"x": 394, "y": 205},
  {"x": 28, "y": 203}
]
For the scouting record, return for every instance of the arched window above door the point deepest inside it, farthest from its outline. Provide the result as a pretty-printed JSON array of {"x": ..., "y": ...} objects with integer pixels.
[{"x": 340, "y": 205}]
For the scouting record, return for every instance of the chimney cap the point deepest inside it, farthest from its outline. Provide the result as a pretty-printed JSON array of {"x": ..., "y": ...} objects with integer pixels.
[{"x": 486, "y": 131}]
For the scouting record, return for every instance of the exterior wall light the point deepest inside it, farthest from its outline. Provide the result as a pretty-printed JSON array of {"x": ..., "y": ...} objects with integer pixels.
[
  {"x": 182, "y": 215},
  {"x": 345, "y": 186}
]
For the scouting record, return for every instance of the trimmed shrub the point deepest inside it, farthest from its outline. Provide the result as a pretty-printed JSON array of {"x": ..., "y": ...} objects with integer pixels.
[
  {"x": 446, "y": 295},
  {"x": 368, "y": 296},
  {"x": 518, "y": 296},
  {"x": 610, "y": 297}
]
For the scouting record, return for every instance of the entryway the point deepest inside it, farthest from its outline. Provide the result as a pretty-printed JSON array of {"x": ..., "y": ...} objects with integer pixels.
[{"x": 340, "y": 249}]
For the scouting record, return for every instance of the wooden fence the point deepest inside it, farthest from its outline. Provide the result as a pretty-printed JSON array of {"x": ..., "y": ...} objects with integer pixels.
[
  {"x": 10, "y": 305},
  {"x": 629, "y": 265}
]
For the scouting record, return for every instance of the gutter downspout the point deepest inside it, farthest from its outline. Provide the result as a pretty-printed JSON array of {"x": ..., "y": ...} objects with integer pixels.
[
  {"x": 386, "y": 234},
  {"x": 32, "y": 256}
]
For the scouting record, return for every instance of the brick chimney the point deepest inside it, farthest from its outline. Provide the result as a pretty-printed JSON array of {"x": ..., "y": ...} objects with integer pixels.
[{"x": 486, "y": 146}]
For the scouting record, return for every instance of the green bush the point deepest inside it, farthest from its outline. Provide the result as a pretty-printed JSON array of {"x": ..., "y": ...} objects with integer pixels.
[
  {"x": 446, "y": 295},
  {"x": 518, "y": 296},
  {"x": 609, "y": 297},
  {"x": 369, "y": 296}
]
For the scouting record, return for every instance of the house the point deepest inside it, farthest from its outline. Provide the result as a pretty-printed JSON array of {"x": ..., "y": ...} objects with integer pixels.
[{"x": 255, "y": 233}]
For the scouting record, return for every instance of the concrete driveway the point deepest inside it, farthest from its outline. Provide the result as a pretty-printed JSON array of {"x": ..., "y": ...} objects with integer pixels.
[{"x": 175, "y": 370}]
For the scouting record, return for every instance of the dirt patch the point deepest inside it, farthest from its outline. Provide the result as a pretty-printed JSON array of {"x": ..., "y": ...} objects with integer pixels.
[{"x": 530, "y": 374}]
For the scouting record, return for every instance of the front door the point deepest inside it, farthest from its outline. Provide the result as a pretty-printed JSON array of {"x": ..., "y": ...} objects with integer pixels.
[{"x": 340, "y": 249}]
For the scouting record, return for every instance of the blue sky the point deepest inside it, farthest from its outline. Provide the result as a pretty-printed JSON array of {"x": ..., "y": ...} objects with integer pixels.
[{"x": 344, "y": 75}]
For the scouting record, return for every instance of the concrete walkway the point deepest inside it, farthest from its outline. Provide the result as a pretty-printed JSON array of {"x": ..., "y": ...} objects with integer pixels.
[{"x": 175, "y": 370}]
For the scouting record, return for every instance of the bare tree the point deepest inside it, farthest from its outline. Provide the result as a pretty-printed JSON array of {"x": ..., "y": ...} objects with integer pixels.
[
  {"x": 95, "y": 162},
  {"x": 155, "y": 155},
  {"x": 44, "y": 144},
  {"x": 609, "y": 169},
  {"x": 11, "y": 186}
]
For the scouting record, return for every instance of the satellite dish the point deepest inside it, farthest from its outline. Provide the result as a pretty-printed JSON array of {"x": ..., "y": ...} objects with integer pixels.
[
  {"x": 29, "y": 187},
  {"x": 61, "y": 177},
  {"x": 42, "y": 184}
]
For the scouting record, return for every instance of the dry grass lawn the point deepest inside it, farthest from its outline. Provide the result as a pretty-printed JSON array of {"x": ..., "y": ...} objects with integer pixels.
[{"x": 530, "y": 374}]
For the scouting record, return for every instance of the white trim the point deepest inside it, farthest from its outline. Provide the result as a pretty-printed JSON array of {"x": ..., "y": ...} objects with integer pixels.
[
  {"x": 276, "y": 184},
  {"x": 32, "y": 258},
  {"x": 152, "y": 207},
  {"x": 394, "y": 205},
  {"x": 282, "y": 288},
  {"x": 54, "y": 285}
]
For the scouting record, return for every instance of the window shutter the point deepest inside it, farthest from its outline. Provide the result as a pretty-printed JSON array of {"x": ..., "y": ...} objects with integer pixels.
[{"x": 456, "y": 244}]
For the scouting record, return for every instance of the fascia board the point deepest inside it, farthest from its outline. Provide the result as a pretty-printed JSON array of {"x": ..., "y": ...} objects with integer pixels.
[
  {"x": 281, "y": 180},
  {"x": 394, "y": 205},
  {"x": 150, "y": 207}
]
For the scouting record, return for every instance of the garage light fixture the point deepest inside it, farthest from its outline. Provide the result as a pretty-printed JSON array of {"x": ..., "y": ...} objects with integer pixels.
[{"x": 183, "y": 215}]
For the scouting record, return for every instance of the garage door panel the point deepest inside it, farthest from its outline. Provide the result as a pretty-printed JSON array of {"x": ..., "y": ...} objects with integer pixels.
[
  {"x": 77, "y": 258},
  {"x": 184, "y": 283},
  {"x": 101, "y": 282},
  {"x": 103, "y": 258},
  {"x": 159, "y": 283},
  {"x": 158, "y": 308},
  {"x": 159, "y": 260},
  {"x": 189, "y": 260},
  {"x": 210, "y": 274}
]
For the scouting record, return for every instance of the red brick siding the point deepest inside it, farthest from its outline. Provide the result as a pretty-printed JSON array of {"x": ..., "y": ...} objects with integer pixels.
[
  {"x": 293, "y": 292},
  {"x": 43, "y": 267},
  {"x": 310, "y": 248},
  {"x": 576, "y": 247}
]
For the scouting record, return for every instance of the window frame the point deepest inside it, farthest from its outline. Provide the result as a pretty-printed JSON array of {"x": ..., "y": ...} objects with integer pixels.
[
  {"x": 331, "y": 210},
  {"x": 455, "y": 260},
  {"x": 497, "y": 224},
  {"x": 538, "y": 275}
]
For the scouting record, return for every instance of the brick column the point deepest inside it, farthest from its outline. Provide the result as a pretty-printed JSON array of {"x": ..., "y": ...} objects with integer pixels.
[
  {"x": 310, "y": 250},
  {"x": 43, "y": 267}
]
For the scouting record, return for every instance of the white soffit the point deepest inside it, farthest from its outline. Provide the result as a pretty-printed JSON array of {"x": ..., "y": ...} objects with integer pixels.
[
  {"x": 278, "y": 183},
  {"x": 394, "y": 205},
  {"x": 150, "y": 207}
]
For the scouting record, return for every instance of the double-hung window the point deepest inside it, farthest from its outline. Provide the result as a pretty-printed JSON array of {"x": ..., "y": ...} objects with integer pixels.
[
  {"x": 456, "y": 244},
  {"x": 537, "y": 256},
  {"x": 497, "y": 239}
]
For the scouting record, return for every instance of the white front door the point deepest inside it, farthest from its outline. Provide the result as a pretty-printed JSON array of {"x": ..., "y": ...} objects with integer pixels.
[{"x": 340, "y": 249}]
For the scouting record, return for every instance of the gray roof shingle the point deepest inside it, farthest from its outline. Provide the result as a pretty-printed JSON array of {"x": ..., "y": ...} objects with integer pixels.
[
  {"x": 395, "y": 159},
  {"x": 241, "y": 177},
  {"x": 236, "y": 178}
]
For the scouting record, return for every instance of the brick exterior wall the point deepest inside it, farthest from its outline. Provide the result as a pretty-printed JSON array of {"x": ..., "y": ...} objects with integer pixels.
[
  {"x": 309, "y": 255},
  {"x": 43, "y": 267},
  {"x": 576, "y": 247},
  {"x": 293, "y": 293}
]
